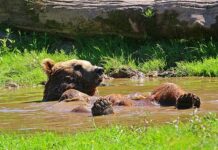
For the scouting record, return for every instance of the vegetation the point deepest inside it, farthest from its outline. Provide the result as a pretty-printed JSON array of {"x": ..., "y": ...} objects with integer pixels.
[
  {"x": 197, "y": 133},
  {"x": 25, "y": 68},
  {"x": 21, "y": 54},
  {"x": 206, "y": 67},
  {"x": 152, "y": 65},
  {"x": 148, "y": 13},
  {"x": 118, "y": 62}
]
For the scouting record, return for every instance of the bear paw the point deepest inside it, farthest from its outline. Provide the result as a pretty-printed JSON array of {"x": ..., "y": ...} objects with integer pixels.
[
  {"x": 102, "y": 107},
  {"x": 188, "y": 100}
]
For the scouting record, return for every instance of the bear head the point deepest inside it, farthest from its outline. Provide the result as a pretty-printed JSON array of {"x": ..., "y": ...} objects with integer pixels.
[{"x": 73, "y": 74}]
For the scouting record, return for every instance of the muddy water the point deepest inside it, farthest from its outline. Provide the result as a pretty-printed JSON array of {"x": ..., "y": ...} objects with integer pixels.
[{"x": 21, "y": 110}]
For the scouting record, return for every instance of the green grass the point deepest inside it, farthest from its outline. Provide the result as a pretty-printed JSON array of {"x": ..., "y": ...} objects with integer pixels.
[
  {"x": 197, "y": 133},
  {"x": 22, "y": 52},
  {"x": 206, "y": 67},
  {"x": 152, "y": 65},
  {"x": 118, "y": 62},
  {"x": 25, "y": 68}
]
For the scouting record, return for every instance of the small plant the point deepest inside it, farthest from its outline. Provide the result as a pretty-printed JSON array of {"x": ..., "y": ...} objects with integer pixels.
[
  {"x": 148, "y": 13},
  {"x": 6, "y": 43},
  {"x": 202, "y": 126}
]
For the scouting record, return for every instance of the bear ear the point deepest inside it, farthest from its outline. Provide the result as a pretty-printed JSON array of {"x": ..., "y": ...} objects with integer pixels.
[{"x": 47, "y": 65}]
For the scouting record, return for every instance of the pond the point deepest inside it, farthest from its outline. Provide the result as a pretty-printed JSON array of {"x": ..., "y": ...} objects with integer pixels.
[{"x": 21, "y": 109}]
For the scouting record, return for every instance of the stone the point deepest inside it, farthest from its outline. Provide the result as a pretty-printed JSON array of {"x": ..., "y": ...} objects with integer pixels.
[
  {"x": 126, "y": 73},
  {"x": 167, "y": 73},
  {"x": 134, "y": 18},
  {"x": 11, "y": 85}
]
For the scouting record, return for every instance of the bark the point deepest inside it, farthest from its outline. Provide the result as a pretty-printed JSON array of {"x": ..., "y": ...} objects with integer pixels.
[{"x": 135, "y": 18}]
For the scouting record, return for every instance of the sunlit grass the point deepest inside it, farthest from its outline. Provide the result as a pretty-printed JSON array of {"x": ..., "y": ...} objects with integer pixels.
[
  {"x": 20, "y": 57},
  {"x": 118, "y": 62},
  {"x": 207, "y": 67},
  {"x": 197, "y": 133},
  {"x": 25, "y": 68},
  {"x": 153, "y": 65}
]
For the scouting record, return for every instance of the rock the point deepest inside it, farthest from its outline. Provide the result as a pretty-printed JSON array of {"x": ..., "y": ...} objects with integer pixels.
[
  {"x": 152, "y": 74},
  {"x": 106, "y": 77},
  {"x": 138, "y": 75},
  {"x": 105, "y": 82},
  {"x": 126, "y": 73},
  {"x": 135, "y": 18},
  {"x": 11, "y": 85},
  {"x": 168, "y": 73}
]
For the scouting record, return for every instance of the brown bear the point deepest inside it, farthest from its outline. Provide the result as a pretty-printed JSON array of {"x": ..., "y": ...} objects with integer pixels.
[
  {"x": 76, "y": 80},
  {"x": 75, "y": 74},
  {"x": 167, "y": 94}
]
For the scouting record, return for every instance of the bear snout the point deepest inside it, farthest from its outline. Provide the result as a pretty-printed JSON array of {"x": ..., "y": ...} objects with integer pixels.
[{"x": 99, "y": 70}]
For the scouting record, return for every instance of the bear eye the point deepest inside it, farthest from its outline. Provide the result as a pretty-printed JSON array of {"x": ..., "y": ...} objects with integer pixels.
[
  {"x": 68, "y": 79},
  {"x": 77, "y": 67}
]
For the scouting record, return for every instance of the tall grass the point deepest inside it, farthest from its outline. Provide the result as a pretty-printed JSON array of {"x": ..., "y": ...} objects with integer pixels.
[
  {"x": 97, "y": 47},
  {"x": 197, "y": 133},
  {"x": 153, "y": 65},
  {"x": 118, "y": 62},
  {"x": 21, "y": 53},
  {"x": 206, "y": 67},
  {"x": 25, "y": 68}
]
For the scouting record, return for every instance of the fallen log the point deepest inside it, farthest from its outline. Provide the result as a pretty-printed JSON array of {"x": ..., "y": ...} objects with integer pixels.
[{"x": 134, "y": 18}]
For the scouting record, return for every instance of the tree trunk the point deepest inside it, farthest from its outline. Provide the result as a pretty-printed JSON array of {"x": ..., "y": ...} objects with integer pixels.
[{"x": 134, "y": 18}]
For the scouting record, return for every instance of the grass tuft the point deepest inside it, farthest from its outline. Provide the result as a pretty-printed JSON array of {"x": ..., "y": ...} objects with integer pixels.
[
  {"x": 118, "y": 62},
  {"x": 208, "y": 67},
  {"x": 153, "y": 65}
]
